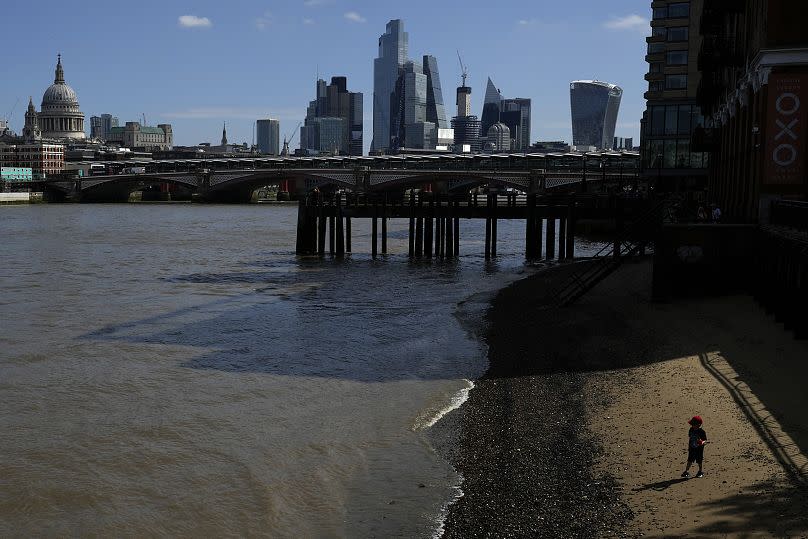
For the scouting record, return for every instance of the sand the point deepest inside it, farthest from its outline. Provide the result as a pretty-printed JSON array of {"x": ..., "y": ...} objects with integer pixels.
[{"x": 579, "y": 427}]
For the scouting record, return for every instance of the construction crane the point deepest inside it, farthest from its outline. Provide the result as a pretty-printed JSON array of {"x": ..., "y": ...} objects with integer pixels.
[
  {"x": 463, "y": 68},
  {"x": 11, "y": 112},
  {"x": 287, "y": 139}
]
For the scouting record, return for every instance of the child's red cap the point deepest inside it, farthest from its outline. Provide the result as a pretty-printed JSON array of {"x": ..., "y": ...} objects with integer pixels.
[{"x": 696, "y": 420}]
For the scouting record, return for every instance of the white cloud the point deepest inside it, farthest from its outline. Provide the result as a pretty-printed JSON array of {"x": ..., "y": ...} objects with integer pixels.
[
  {"x": 192, "y": 21},
  {"x": 525, "y": 22},
  {"x": 264, "y": 20},
  {"x": 313, "y": 3},
  {"x": 631, "y": 22},
  {"x": 308, "y": 21},
  {"x": 353, "y": 16}
]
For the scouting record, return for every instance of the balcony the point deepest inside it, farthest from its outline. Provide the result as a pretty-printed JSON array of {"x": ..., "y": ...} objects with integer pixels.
[{"x": 655, "y": 76}]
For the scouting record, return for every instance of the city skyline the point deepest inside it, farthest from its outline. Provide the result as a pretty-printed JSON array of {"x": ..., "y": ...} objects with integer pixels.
[{"x": 212, "y": 51}]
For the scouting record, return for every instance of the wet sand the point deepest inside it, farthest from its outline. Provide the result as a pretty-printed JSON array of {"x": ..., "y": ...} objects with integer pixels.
[{"x": 579, "y": 427}]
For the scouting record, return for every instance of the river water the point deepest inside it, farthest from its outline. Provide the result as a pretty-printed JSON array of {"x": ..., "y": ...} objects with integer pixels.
[{"x": 174, "y": 369}]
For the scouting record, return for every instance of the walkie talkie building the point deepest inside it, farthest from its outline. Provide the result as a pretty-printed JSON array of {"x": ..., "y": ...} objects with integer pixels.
[{"x": 594, "y": 106}]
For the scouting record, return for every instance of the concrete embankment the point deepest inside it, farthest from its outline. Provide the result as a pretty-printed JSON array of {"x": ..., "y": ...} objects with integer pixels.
[{"x": 20, "y": 198}]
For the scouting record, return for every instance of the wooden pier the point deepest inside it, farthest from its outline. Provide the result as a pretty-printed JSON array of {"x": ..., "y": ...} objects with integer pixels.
[{"x": 325, "y": 221}]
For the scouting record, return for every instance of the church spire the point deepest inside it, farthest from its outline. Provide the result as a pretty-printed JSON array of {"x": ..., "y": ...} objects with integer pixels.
[
  {"x": 60, "y": 73},
  {"x": 224, "y": 134}
]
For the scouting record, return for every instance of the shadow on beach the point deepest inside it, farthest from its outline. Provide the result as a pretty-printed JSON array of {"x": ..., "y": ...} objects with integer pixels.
[{"x": 525, "y": 422}]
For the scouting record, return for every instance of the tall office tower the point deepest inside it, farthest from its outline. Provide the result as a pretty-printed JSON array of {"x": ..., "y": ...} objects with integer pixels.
[
  {"x": 333, "y": 102},
  {"x": 435, "y": 111},
  {"x": 101, "y": 126},
  {"x": 268, "y": 136},
  {"x": 672, "y": 113},
  {"x": 393, "y": 52},
  {"x": 516, "y": 115},
  {"x": 492, "y": 106},
  {"x": 594, "y": 105}
]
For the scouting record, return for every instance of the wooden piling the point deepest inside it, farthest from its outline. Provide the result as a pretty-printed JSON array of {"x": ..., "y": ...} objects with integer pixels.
[
  {"x": 384, "y": 227},
  {"x": 494, "y": 227},
  {"x": 347, "y": 234},
  {"x": 449, "y": 231},
  {"x": 571, "y": 230},
  {"x": 419, "y": 237},
  {"x": 488, "y": 230},
  {"x": 340, "y": 234},
  {"x": 375, "y": 234},
  {"x": 412, "y": 226},
  {"x": 428, "y": 230},
  {"x": 457, "y": 232},
  {"x": 530, "y": 227},
  {"x": 332, "y": 235},
  {"x": 321, "y": 231},
  {"x": 551, "y": 233}
]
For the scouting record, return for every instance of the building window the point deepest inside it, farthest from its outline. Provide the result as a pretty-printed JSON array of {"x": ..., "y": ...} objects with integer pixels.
[
  {"x": 656, "y": 48},
  {"x": 670, "y": 120},
  {"x": 655, "y": 86},
  {"x": 660, "y": 12},
  {"x": 686, "y": 114},
  {"x": 677, "y": 33},
  {"x": 676, "y": 58},
  {"x": 655, "y": 67},
  {"x": 658, "y": 31},
  {"x": 678, "y": 10},
  {"x": 675, "y": 82},
  {"x": 657, "y": 116}
]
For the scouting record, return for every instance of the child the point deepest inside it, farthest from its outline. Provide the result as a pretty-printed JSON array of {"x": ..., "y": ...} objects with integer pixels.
[{"x": 697, "y": 438}]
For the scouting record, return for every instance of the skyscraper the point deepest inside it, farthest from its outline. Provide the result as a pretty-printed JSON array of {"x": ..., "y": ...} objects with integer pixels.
[
  {"x": 101, "y": 126},
  {"x": 393, "y": 50},
  {"x": 594, "y": 105},
  {"x": 515, "y": 113},
  {"x": 268, "y": 136},
  {"x": 343, "y": 110}
]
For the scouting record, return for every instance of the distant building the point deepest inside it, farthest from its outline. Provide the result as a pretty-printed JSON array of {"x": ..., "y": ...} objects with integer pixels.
[
  {"x": 550, "y": 146},
  {"x": 333, "y": 102},
  {"x": 268, "y": 136},
  {"x": 466, "y": 126},
  {"x": 393, "y": 51},
  {"x": 466, "y": 134},
  {"x": 101, "y": 126},
  {"x": 621, "y": 143},
  {"x": 445, "y": 139},
  {"x": 42, "y": 158},
  {"x": 594, "y": 106},
  {"x": 138, "y": 137},
  {"x": 16, "y": 174},
  {"x": 60, "y": 117},
  {"x": 498, "y": 138},
  {"x": 515, "y": 113}
]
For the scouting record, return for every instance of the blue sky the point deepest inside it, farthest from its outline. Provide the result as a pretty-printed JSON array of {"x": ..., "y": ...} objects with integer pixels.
[{"x": 196, "y": 64}]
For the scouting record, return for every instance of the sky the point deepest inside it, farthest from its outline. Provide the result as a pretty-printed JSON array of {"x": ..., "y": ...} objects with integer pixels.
[{"x": 198, "y": 64}]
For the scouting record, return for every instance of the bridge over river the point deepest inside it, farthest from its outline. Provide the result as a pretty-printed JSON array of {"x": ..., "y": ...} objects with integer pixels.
[{"x": 236, "y": 179}]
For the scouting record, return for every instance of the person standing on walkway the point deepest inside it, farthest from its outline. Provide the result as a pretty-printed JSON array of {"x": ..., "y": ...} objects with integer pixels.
[{"x": 696, "y": 440}]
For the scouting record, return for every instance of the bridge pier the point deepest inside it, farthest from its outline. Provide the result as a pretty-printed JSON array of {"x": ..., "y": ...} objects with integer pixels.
[
  {"x": 321, "y": 231},
  {"x": 347, "y": 234},
  {"x": 419, "y": 237},
  {"x": 530, "y": 228},
  {"x": 494, "y": 226},
  {"x": 332, "y": 235},
  {"x": 562, "y": 238}
]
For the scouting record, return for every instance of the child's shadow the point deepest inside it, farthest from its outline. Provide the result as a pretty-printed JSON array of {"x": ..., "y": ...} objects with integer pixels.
[{"x": 660, "y": 485}]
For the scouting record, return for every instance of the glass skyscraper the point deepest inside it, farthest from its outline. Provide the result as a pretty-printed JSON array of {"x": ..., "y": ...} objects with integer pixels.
[
  {"x": 594, "y": 105},
  {"x": 393, "y": 50}
]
